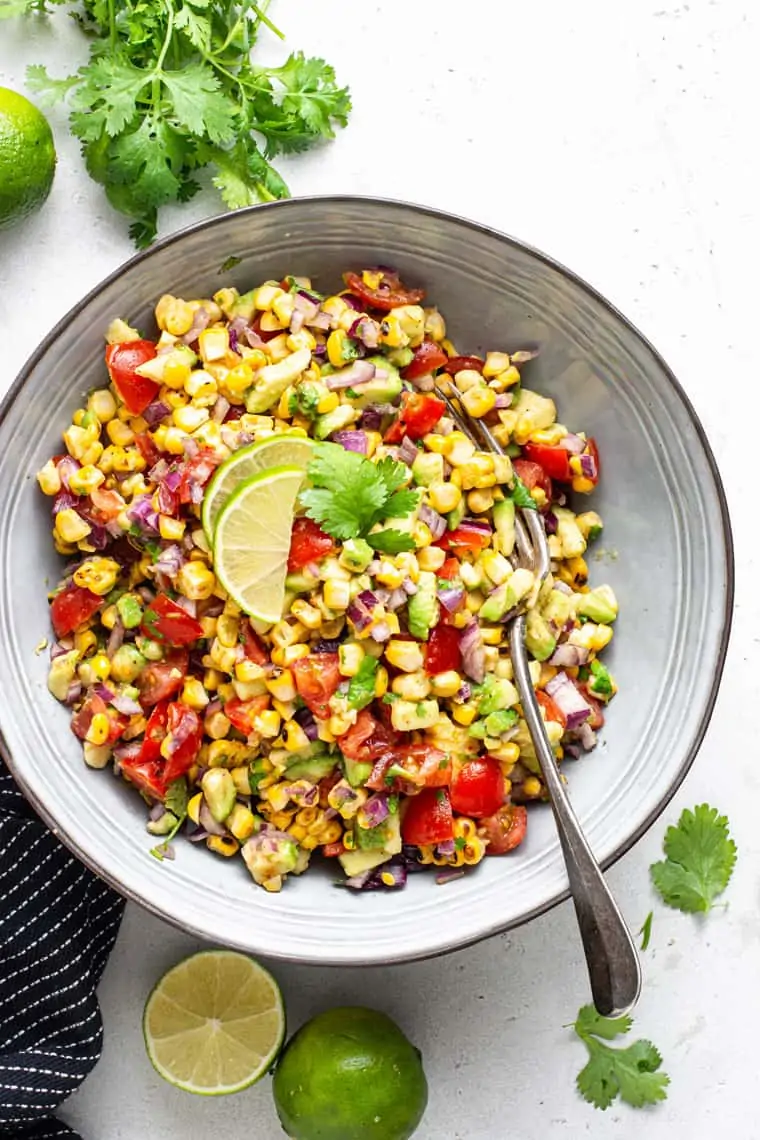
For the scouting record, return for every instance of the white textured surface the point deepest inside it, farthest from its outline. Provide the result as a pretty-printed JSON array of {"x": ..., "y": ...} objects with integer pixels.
[{"x": 617, "y": 139}]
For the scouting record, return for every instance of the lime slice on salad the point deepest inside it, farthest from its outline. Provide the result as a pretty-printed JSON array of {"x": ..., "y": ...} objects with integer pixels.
[
  {"x": 214, "y": 1023},
  {"x": 286, "y": 447},
  {"x": 252, "y": 541}
]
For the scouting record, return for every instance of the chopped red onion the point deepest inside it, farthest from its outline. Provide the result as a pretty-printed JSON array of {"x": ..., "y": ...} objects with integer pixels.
[
  {"x": 447, "y": 847},
  {"x": 587, "y": 737},
  {"x": 473, "y": 652},
  {"x": 476, "y": 524},
  {"x": 103, "y": 692},
  {"x": 58, "y": 648},
  {"x": 408, "y": 451},
  {"x": 191, "y": 447},
  {"x": 396, "y": 599},
  {"x": 322, "y": 321},
  {"x": 375, "y": 810},
  {"x": 409, "y": 587},
  {"x": 358, "y": 882},
  {"x": 156, "y": 811},
  {"x": 550, "y": 522},
  {"x": 65, "y": 501},
  {"x": 361, "y": 609},
  {"x": 374, "y": 566},
  {"x": 360, "y": 372},
  {"x": 201, "y": 320},
  {"x": 170, "y": 561},
  {"x": 158, "y": 471},
  {"x": 452, "y": 598},
  {"x": 189, "y": 605},
  {"x": 115, "y": 639},
  {"x": 435, "y": 523},
  {"x": 73, "y": 693},
  {"x": 305, "y": 717},
  {"x": 221, "y": 407},
  {"x": 566, "y": 696},
  {"x": 568, "y": 656},
  {"x": 141, "y": 512},
  {"x": 167, "y": 851},
  {"x": 463, "y": 693},
  {"x": 424, "y": 383},
  {"x": 561, "y": 586},
  {"x": 296, "y": 321},
  {"x": 381, "y": 632},
  {"x": 449, "y": 876},
  {"x": 146, "y": 594},
  {"x": 351, "y": 440},
  {"x": 155, "y": 412},
  {"x": 367, "y": 331},
  {"x": 589, "y": 467},
  {"x": 253, "y": 338},
  {"x": 207, "y": 821},
  {"x": 573, "y": 443},
  {"x": 66, "y": 468},
  {"x": 503, "y": 400}
]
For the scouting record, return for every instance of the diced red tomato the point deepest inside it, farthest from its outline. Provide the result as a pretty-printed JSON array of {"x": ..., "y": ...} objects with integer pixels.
[
  {"x": 552, "y": 711},
  {"x": 165, "y": 621},
  {"x": 443, "y": 652},
  {"x": 390, "y": 293},
  {"x": 308, "y": 543},
  {"x": 147, "y": 448},
  {"x": 428, "y": 818},
  {"x": 477, "y": 787},
  {"x": 554, "y": 460},
  {"x": 161, "y": 679},
  {"x": 122, "y": 360},
  {"x": 459, "y": 363},
  {"x": 533, "y": 475},
  {"x": 427, "y": 358},
  {"x": 241, "y": 714},
  {"x": 182, "y": 743},
  {"x": 82, "y": 719},
  {"x": 466, "y": 539},
  {"x": 317, "y": 677},
  {"x": 449, "y": 570},
  {"x": 195, "y": 474},
  {"x": 420, "y": 412},
  {"x": 425, "y": 767},
  {"x": 106, "y": 505},
  {"x": 504, "y": 830},
  {"x": 155, "y": 731},
  {"x": 146, "y": 775},
  {"x": 367, "y": 740},
  {"x": 596, "y": 719},
  {"x": 593, "y": 451},
  {"x": 264, "y": 334},
  {"x": 331, "y": 850},
  {"x": 253, "y": 646},
  {"x": 71, "y": 608}
]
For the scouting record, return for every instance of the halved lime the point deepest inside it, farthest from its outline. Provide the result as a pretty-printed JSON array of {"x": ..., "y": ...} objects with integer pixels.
[
  {"x": 286, "y": 447},
  {"x": 214, "y": 1023},
  {"x": 252, "y": 541}
]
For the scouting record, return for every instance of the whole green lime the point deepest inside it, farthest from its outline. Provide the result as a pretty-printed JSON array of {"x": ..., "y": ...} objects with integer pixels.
[
  {"x": 27, "y": 157},
  {"x": 350, "y": 1074}
]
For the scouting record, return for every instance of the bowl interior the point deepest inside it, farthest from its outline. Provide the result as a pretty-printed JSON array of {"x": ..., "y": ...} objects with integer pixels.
[{"x": 665, "y": 550}]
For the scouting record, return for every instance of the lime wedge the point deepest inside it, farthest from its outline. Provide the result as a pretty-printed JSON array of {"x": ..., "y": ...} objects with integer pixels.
[
  {"x": 286, "y": 447},
  {"x": 214, "y": 1023},
  {"x": 252, "y": 541}
]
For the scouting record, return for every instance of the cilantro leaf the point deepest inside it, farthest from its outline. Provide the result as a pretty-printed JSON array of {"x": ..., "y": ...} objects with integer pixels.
[
  {"x": 350, "y": 494},
  {"x": 632, "y": 1073},
  {"x": 700, "y": 859},
  {"x": 198, "y": 103},
  {"x": 176, "y": 797},
  {"x": 47, "y": 90},
  {"x": 646, "y": 930},
  {"x": 361, "y": 687},
  {"x": 390, "y": 541},
  {"x": 522, "y": 496}
]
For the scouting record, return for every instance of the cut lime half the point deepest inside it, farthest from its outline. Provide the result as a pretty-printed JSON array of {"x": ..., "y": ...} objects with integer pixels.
[
  {"x": 285, "y": 448},
  {"x": 214, "y": 1023},
  {"x": 252, "y": 541}
]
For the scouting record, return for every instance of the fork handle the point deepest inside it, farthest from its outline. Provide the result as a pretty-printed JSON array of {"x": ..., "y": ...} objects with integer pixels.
[{"x": 613, "y": 963}]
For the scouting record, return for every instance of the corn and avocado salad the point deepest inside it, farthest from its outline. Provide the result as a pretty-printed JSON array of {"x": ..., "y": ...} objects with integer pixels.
[{"x": 288, "y": 575}]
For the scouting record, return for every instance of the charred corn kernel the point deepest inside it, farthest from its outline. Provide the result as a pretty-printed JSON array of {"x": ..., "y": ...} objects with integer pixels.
[
  {"x": 473, "y": 851},
  {"x": 496, "y": 567},
  {"x": 226, "y": 753},
  {"x": 64, "y": 548},
  {"x": 479, "y": 400},
  {"x": 174, "y": 441},
  {"x": 176, "y": 399},
  {"x": 176, "y": 374},
  {"x": 330, "y": 832},
  {"x": 98, "y": 575},
  {"x": 201, "y": 387},
  {"x": 480, "y": 501},
  {"x": 350, "y": 657},
  {"x": 435, "y": 325},
  {"x": 128, "y": 459},
  {"x": 267, "y": 723},
  {"x": 389, "y": 574},
  {"x": 96, "y": 755},
  {"x": 283, "y": 634},
  {"x": 328, "y": 403},
  {"x": 109, "y": 617},
  {"x": 444, "y": 497},
  {"x": 248, "y": 671},
  {"x": 491, "y": 635},
  {"x": 411, "y": 686},
  {"x": 193, "y": 694},
  {"x": 306, "y": 614},
  {"x": 574, "y": 571},
  {"x": 100, "y": 667},
  {"x": 222, "y": 657},
  {"x": 238, "y": 380},
  {"x": 496, "y": 363},
  {"x": 340, "y": 723},
  {"x": 292, "y": 654},
  {"x": 171, "y": 529},
  {"x": 177, "y": 317},
  {"x": 336, "y": 596},
  {"x": 278, "y": 657},
  {"x": 85, "y": 642},
  {"x": 405, "y": 655},
  {"x": 241, "y": 780},
  {"x": 189, "y": 419},
  {"x": 49, "y": 479},
  {"x": 302, "y": 339},
  {"x": 464, "y": 713},
  {"x": 212, "y": 678},
  {"x": 421, "y": 535},
  {"x": 266, "y": 294},
  {"x": 241, "y": 822},
  {"x": 77, "y": 440},
  {"x": 468, "y": 379},
  {"x": 338, "y": 348},
  {"x": 431, "y": 558},
  {"x": 228, "y": 630},
  {"x": 392, "y": 331},
  {"x": 407, "y": 562},
  {"x": 583, "y": 485},
  {"x": 550, "y": 437},
  {"x": 196, "y": 581},
  {"x": 69, "y": 527},
  {"x": 491, "y": 658},
  {"x": 294, "y": 737},
  {"x": 225, "y": 845},
  {"x": 509, "y": 377},
  {"x": 531, "y": 787},
  {"x": 446, "y": 684},
  {"x": 119, "y": 433},
  {"x": 102, "y": 405},
  {"x": 217, "y": 726},
  {"x": 194, "y": 807},
  {"x": 282, "y": 686},
  {"x": 277, "y": 349},
  {"x": 99, "y": 730}
]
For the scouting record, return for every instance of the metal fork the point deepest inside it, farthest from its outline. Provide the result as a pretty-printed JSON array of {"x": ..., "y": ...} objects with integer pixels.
[{"x": 611, "y": 958}]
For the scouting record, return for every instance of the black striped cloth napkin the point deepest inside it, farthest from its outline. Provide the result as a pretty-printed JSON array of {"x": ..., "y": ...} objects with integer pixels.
[{"x": 58, "y": 923}]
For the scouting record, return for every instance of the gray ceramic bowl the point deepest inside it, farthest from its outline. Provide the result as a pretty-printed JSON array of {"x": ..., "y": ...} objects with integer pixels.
[{"x": 667, "y": 534}]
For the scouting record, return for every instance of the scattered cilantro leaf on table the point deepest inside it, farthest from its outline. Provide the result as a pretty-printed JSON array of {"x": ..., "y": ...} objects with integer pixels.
[
  {"x": 700, "y": 858},
  {"x": 633, "y": 1073},
  {"x": 646, "y": 930},
  {"x": 170, "y": 88}
]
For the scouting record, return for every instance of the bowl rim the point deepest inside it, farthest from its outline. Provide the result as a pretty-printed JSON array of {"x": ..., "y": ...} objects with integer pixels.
[{"x": 283, "y": 206}]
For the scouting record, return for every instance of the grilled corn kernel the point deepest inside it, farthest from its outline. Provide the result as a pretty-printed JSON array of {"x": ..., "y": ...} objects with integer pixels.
[
  {"x": 431, "y": 558},
  {"x": 390, "y": 575},
  {"x": 201, "y": 387},
  {"x": 96, "y": 755},
  {"x": 225, "y": 845},
  {"x": 69, "y": 527},
  {"x": 102, "y": 405},
  {"x": 49, "y": 479},
  {"x": 444, "y": 497},
  {"x": 306, "y": 614},
  {"x": 217, "y": 726},
  {"x": 464, "y": 713},
  {"x": 409, "y": 564},
  {"x": 241, "y": 822},
  {"x": 411, "y": 686},
  {"x": 176, "y": 399},
  {"x": 467, "y": 379},
  {"x": 99, "y": 730},
  {"x": 350, "y": 657},
  {"x": 189, "y": 419},
  {"x": 328, "y": 403},
  {"x": 550, "y": 437},
  {"x": 458, "y": 449},
  {"x": 294, "y": 737},
  {"x": 119, "y": 433},
  {"x": 479, "y": 400},
  {"x": 405, "y": 655},
  {"x": 338, "y": 348},
  {"x": 193, "y": 694},
  {"x": 496, "y": 567},
  {"x": 176, "y": 317},
  {"x": 480, "y": 501},
  {"x": 196, "y": 581},
  {"x": 446, "y": 684},
  {"x": 248, "y": 671},
  {"x": 84, "y": 642},
  {"x": 98, "y": 575},
  {"x": 336, "y": 595},
  {"x": 292, "y": 654},
  {"x": 241, "y": 780},
  {"x": 340, "y": 723},
  {"x": 171, "y": 529},
  {"x": 267, "y": 723},
  {"x": 392, "y": 331},
  {"x": 228, "y": 630},
  {"x": 496, "y": 363},
  {"x": 221, "y": 657},
  {"x": 421, "y": 535}
]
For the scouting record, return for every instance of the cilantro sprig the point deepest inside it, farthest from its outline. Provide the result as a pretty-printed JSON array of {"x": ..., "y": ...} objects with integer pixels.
[
  {"x": 175, "y": 801},
  {"x": 632, "y": 1073},
  {"x": 700, "y": 858},
  {"x": 349, "y": 495},
  {"x": 521, "y": 495},
  {"x": 170, "y": 88}
]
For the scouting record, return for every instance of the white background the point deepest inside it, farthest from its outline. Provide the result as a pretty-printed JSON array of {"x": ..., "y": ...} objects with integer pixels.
[{"x": 617, "y": 137}]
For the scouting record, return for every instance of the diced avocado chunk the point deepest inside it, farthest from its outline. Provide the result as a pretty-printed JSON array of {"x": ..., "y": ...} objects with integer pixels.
[
  {"x": 558, "y": 607},
  {"x": 428, "y": 468},
  {"x": 119, "y": 332},
  {"x": 598, "y": 605},
  {"x": 62, "y": 670},
  {"x": 386, "y": 836},
  {"x": 356, "y": 862},
  {"x": 539, "y": 638},
  {"x": 600, "y": 682},
  {"x": 569, "y": 533},
  {"x": 273, "y": 379},
  {"x": 383, "y": 388},
  {"x": 299, "y": 584},
  {"x": 304, "y": 399},
  {"x": 423, "y": 610},
  {"x": 357, "y": 771},
  {"x": 130, "y": 610},
  {"x": 243, "y": 306},
  {"x": 496, "y": 604},
  {"x": 504, "y": 521},
  {"x": 401, "y": 356},
  {"x": 356, "y": 555},
  {"x": 219, "y": 792},
  {"x": 336, "y": 420},
  {"x": 453, "y": 518},
  {"x": 494, "y": 694},
  {"x": 407, "y": 716},
  {"x": 313, "y": 765},
  {"x": 155, "y": 368},
  {"x": 499, "y": 722}
]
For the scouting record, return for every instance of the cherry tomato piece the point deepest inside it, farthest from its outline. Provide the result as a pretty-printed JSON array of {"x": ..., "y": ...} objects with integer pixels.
[
  {"x": 317, "y": 677},
  {"x": 331, "y": 850},
  {"x": 155, "y": 731},
  {"x": 428, "y": 818},
  {"x": 552, "y": 711},
  {"x": 554, "y": 460},
  {"x": 466, "y": 539},
  {"x": 504, "y": 830},
  {"x": 443, "y": 652},
  {"x": 182, "y": 743},
  {"x": 389, "y": 294},
  {"x": 162, "y": 679},
  {"x": 253, "y": 646},
  {"x": 195, "y": 474},
  {"x": 420, "y": 412},
  {"x": 533, "y": 475},
  {"x": 121, "y": 361},
  {"x": 167, "y": 622},
  {"x": 146, "y": 775},
  {"x": 427, "y": 358},
  {"x": 449, "y": 570},
  {"x": 71, "y": 608},
  {"x": 242, "y": 714},
  {"x": 477, "y": 788},
  {"x": 368, "y": 740},
  {"x": 459, "y": 363},
  {"x": 308, "y": 543}
]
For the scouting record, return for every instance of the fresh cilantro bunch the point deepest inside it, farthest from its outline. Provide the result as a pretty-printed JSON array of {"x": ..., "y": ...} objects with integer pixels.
[
  {"x": 349, "y": 495},
  {"x": 170, "y": 88},
  {"x": 632, "y": 1073}
]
